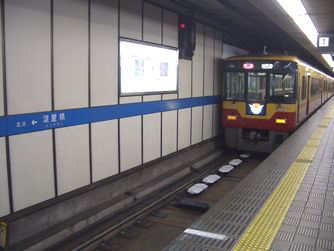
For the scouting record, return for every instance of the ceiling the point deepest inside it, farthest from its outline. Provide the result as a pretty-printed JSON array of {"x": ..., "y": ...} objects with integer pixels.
[
  {"x": 254, "y": 24},
  {"x": 322, "y": 14}
]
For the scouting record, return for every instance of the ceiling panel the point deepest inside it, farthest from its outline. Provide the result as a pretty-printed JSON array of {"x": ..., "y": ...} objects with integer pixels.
[
  {"x": 253, "y": 24},
  {"x": 322, "y": 14}
]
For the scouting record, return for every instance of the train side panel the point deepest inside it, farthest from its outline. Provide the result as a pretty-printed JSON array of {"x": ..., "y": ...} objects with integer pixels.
[{"x": 314, "y": 89}]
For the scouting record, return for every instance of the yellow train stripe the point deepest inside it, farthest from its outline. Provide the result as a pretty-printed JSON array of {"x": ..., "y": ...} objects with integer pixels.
[{"x": 261, "y": 232}]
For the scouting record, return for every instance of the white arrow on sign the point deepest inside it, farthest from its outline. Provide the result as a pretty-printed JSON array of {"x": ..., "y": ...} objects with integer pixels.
[{"x": 34, "y": 122}]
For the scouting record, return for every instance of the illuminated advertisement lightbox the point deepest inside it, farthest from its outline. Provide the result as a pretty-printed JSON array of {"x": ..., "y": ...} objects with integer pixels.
[{"x": 147, "y": 68}]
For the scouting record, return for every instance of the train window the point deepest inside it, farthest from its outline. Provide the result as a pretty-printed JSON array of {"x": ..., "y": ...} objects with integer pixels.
[
  {"x": 256, "y": 86},
  {"x": 325, "y": 86},
  {"x": 304, "y": 86},
  {"x": 315, "y": 87},
  {"x": 235, "y": 82},
  {"x": 282, "y": 88}
]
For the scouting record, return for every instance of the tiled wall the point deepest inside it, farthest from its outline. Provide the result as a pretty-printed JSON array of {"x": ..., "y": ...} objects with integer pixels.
[{"x": 63, "y": 54}]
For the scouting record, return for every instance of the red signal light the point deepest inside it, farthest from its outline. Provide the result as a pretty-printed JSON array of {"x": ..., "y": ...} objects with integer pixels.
[
  {"x": 182, "y": 26},
  {"x": 248, "y": 66}
]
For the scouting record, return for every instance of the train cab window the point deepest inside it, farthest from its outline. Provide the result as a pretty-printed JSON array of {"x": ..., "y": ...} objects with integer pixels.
[
  {"x": 256, "y": 86},
  {"x": 281, "y": 88},
  {"x": 234, "y": 86}
]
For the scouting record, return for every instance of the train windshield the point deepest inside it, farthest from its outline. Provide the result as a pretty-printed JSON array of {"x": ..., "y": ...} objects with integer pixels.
[
  {"x": 281, "y": 88},
  {"x": 235, "y": 82},
  {"x": 256, "y": 86},
  {"x": 261, "y": 81}
]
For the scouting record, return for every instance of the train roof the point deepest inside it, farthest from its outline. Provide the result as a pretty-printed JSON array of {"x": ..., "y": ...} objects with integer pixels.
[
  {"x": 264, "y": 57},
  {"x": 275, "y": 57}
]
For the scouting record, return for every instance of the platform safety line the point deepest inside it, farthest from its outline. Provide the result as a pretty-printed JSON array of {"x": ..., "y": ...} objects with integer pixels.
[{"x": 262, "y": 231}]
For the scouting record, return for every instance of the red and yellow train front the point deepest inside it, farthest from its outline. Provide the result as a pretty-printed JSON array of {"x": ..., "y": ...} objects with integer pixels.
[
  {"x": 278, "y": 117},
  {"x": 260, "y": 103}
]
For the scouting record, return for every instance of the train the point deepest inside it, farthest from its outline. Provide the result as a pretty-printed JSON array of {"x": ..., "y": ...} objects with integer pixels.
[{"x": 266, "y": 97}]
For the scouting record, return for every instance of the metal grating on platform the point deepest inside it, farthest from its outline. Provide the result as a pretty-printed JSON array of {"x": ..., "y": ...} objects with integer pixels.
[
  {"x": 315, "y": 224},
  {"x": 305, "y": 219}
]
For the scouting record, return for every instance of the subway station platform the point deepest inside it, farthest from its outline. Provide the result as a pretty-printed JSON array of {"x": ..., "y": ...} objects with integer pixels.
[{"x": 286, "y": 203}]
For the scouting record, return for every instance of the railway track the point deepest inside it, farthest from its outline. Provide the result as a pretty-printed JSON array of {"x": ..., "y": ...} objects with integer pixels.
[{"x": 115, "y": 232}]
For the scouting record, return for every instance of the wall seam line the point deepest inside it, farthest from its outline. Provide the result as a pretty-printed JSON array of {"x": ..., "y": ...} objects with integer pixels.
[
  {"x": 119, "y": 89},
  {"x": 203, "y": 80},
  {"x": 54, "y": 145},
  {"x": 5, "y": 97},
  {"x": 89, "y": 93}
]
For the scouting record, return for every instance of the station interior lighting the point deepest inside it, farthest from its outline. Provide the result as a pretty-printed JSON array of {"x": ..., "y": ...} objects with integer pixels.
[
  {"x": 298, "y": 13},
  {"x": 329, "y": 59}
]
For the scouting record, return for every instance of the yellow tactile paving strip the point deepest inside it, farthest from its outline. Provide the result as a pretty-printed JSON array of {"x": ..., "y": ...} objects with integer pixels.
[{"x": 263, "y": 229}]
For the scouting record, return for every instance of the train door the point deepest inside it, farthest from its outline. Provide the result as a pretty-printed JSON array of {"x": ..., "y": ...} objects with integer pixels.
[
  {"x": 308, "y": 94},
  {"x": 321, "y": 90},
  {"x": 302, "y": 101},
  {"x": 297, "y": 79},
  {"x": 256, "y": 92}
]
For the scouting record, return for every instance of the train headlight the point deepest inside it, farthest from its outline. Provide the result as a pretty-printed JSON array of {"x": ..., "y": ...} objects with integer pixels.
[
  {"x": 280, "y": 121},
  {"x": 232, "y": 117}
]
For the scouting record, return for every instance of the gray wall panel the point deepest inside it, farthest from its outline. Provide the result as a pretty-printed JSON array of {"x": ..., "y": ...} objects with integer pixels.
[
  {"x": 184, "y": 128},
  {"x": 207, "y": 122},
  {"x": 152, "y": 23},
  {"x": 141, "y": 138},
  {"x": 217, "y": 76},
  {"x": 151, "y": 136},
  {"x": 2, "y": 108},
  {"x": 184, "y": 78},
  {"x": 31, "y": 168},
  {"x": 28, "y": 55},
  {"x": 72, "y": 146},
  {"x": 169, "y": 130},
  {"x": 216, "y": 120},
  {"x": 148, "y": 98},
  {"x": 130, "y": 136},
  {"x": 104, "y": 149},
  {"x": 217, "y": 88},
  {"x": 4, "y": 195},
  {"x": 170, "y": 28},
  {"x": 71, "y": 53},
  {"x": 208, "y": 61},
  {"x": 198, "y": 62},
  {"x": 169, "y": 96},
  {"x": 197, "y": 124},
  {"x": 104, "y": 52},
  {"x": 126, "y": 100},
  {"x": 130, "y": 19}
]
